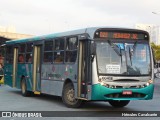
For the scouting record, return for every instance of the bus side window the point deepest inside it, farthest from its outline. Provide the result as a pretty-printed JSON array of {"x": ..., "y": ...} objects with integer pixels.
[
  {"x": 29, "y": 57},
  {"x": 68, "y": 57},
  {"x": 71, "y": 49},
  {"x": 48, "y": 56},
  {"x": 58, "y": 57},
  {"x": 48, "y": 51},
  {"x": 21, "y": 53},
  {"x": 59, "y": 44},
  {"x": 71, "y": 43},
  {"x": 29, "y": 49},
  {"x": 71, "y": 56},
  {"x": 59, "y": 50},
  {"x": 21, "y": 58},
  {"x": 9, "y": 54},
  {"x": 22, "y": 48},
  {"x": 48, "y": 46}
]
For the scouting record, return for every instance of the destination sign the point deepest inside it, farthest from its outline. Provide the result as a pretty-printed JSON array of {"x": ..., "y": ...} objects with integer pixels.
[{"x": 121, "y": 35}]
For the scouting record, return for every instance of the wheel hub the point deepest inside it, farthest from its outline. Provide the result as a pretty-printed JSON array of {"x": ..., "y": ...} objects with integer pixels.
[{"x": 70, "y": 95}]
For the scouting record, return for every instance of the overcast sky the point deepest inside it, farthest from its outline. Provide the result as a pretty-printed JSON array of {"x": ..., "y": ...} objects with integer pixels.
[{"x": 39, "y": 17}]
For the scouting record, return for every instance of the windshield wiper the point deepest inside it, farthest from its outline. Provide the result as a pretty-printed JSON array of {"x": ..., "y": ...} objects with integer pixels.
[
  {"x": 115, "y": 47},
  {"x": 131, "y": 51},
  {"x": 134, "y": 47}
]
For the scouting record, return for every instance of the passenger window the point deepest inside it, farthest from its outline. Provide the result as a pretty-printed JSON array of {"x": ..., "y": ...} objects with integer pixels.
[
  {"x": 9, "y": 54},
  {"x": 48, "y": 51},
  {"x": 22, "y": 48},
  {"x": 71, "y": 49},
  {"x": 71, "y": 43},
  {"x": 29, "y": 57},
  {"x": 59, "y": 44},
  {"x": 59, "y": 50},
  {"x": 48, "y": 46},
  {"x": 21, "y": 53},
  {"x": 58, "y": 57},
  {"x": 21, "y": 58},
  {"x": 71, "y": 56},
  {"x": 48, "y": 57},
  {"x": 29, "y": 49}
]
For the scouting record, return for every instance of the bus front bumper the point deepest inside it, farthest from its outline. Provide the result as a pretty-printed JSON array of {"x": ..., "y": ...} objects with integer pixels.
[{"x": 103, "y": 93}]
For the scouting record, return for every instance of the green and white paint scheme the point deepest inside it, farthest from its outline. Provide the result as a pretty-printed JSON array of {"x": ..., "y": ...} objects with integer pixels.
[{"x": 110, "y": 64}]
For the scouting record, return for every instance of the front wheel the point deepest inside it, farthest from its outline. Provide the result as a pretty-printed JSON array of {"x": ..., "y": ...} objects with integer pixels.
[
  {"x": 68, "y": 97},
  {"x": 119, "y": 103}
]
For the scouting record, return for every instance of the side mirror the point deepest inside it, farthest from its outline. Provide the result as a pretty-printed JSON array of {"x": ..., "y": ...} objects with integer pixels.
[{"x": 93, "y": 48}]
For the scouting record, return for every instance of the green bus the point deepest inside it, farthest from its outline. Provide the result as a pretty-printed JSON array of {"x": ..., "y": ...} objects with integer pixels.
[{"x": 91, "y": 64}]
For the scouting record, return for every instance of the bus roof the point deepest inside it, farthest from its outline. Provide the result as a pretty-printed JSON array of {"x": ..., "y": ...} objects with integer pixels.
[{"x": 90, "y": 31}]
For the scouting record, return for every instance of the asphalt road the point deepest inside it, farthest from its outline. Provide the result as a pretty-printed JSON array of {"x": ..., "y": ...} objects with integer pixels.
[{"x": 12, "y": 100}]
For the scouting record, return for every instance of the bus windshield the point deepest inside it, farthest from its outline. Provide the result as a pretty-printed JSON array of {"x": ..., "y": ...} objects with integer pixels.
[{"x": 123, "y": 58}]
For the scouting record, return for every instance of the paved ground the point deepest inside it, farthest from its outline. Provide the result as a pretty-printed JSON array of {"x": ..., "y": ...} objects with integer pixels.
[{"x": 12, "y": 100}]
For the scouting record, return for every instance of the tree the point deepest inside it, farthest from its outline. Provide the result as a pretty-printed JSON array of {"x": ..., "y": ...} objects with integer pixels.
[{"x": 156, "y": 50}]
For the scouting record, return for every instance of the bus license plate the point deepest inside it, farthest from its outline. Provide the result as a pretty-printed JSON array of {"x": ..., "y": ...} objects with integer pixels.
[{"x": 127, "y": 93}]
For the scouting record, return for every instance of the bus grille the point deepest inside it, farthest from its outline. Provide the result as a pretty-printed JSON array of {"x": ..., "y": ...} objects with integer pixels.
[
  {"x": 119, "y": 87},
  {"x": 128, "y": 87},
  {"x": 120, "y": 95}
]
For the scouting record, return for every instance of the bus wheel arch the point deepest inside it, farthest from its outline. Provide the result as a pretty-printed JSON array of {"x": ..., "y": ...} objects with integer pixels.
[
  {"x": 68, "y": 95},
  {"x": 67, "y": 81}
]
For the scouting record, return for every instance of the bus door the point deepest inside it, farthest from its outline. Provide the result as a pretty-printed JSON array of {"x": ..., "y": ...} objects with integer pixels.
[
  {"x": 14, "y": 73},
  {"x": 84, "y": 69},
  {"x": 37, "y": 68}
]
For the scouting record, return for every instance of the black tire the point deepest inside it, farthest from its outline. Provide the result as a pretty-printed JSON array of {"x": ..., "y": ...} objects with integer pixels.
[
  {"x": 68, "y": 97},
  {"x": 24, "y": 91},
  {"x": 119, "y": 103}
]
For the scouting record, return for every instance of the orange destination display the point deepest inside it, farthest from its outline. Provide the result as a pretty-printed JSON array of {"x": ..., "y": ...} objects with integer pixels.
[{"x": 121, "y": 35}]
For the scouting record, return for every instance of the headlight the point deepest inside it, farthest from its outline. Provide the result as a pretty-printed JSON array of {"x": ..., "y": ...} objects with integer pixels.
[
  {"x": 149, "y": 82},
  {"x": 102, "y": 83}
]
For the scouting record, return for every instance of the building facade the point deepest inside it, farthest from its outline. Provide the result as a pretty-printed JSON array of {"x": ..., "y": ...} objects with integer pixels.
[{"x": 6, "y": 34}]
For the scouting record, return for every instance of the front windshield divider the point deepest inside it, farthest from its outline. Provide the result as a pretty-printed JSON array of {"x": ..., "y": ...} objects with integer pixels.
[{"x": 134, "y": 47}]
